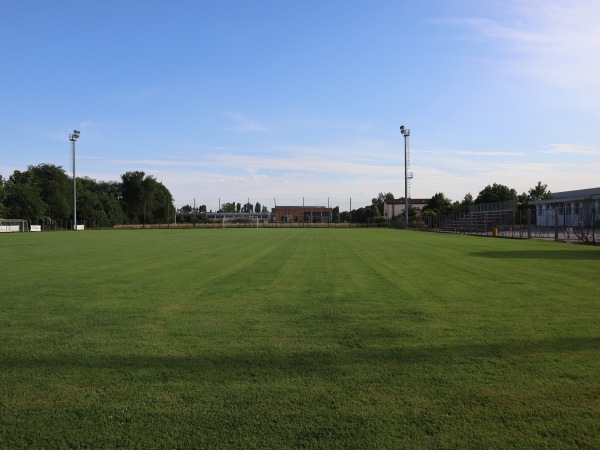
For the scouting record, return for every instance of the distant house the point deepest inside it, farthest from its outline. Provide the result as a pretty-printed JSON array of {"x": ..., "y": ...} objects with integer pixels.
[
  {"x": 393, "y": 208},
  {"x": 569, "y": 208},
  {"x": 312, "y": 214}
]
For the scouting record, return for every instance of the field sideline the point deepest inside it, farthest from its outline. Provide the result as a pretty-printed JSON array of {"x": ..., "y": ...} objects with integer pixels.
[{"x": 287, "y": 338}]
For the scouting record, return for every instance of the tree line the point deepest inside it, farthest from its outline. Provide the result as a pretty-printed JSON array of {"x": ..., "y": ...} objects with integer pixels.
[
  {"x": 44, "y": 194},
  {"x": 248, "y": 207},
  {"x": 440, "y": 205},
  {"x": 194, "y": 214}
]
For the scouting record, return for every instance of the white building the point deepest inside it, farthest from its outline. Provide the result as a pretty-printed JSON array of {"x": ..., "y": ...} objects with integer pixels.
[{"x": 568, "y": 208}]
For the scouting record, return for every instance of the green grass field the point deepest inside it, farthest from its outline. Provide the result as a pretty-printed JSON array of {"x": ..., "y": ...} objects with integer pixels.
[{"x": 316, "y": 338}]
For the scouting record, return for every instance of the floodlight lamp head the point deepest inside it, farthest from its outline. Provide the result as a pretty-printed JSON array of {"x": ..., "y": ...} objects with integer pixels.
[{"x": 402, "y": 129}]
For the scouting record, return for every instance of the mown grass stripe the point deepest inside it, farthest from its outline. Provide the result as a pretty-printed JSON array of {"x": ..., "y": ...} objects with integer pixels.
[{"x": 286, "y": 338}]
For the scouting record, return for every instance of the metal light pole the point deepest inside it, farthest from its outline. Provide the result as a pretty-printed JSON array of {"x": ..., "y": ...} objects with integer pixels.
[
  {"x": 406, "y": 133},
  {"x": 73, "y": 137}
]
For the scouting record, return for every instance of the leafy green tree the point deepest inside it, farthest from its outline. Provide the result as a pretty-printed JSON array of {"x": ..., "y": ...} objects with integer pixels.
[
  {"x": 228, "y": 207},
  {"x": 149, "y": 197},
  {"x": 429, "y": 213},
  {"x": 158, "y": 202},
  {"x": 44, "y": 192},
  {"x": 364, "y": 214},
  {"x": 55, "y": 189},
  {"x": 133, "y": 196},
  {"x": 107, "y": 197},
  {"x": 467, "y": 201},
  {"x": 439, "y": 204},
  {"x": 112, "y": 188},
  {"x": 380, "y": 200},
  {"x": 41, "y": 192},
  {"x": 495, "y": 193},
  {"x": 335, "y": 214},
  {"x": 111, "y": 207},
  {"x": 89, "y": 208},
  {"x": 22, "y": 198},
  {"x": 376, "y": 211},
  {"x": 2, "y": 196},
  {"x": 463, "y": 206},
  {"x": 145, "y": 200},
  {"x": 540, "y": 192}
]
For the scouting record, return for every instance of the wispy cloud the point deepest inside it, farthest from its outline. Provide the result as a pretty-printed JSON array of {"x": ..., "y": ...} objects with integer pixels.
[
  {"x": 571, "y": 149},
  {"x": 472, "y": 153},
  {"x": 243, "y": 124},
  {"x": 321, "y": 171},
  {"x": 317, "y": 165},
  {"x": 325, "y": 163},
  {"x": 155, "y": 163},
  {"x": 555, "y": 41}
]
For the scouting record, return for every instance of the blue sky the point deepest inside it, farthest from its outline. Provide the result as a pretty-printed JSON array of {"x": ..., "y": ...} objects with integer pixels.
[{"x": 233, "y": 100}]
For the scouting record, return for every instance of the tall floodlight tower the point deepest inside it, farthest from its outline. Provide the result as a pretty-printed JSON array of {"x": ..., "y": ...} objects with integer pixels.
[
  {"x": 406, "y": 133},
  {"x": 73, "y": 137}
]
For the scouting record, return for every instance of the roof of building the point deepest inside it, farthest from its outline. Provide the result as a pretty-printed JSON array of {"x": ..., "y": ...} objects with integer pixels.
[
  {"x": 300, "y": 207},
  {"x": 570, "y": 196},
  {"x": 411, "y": 201}
]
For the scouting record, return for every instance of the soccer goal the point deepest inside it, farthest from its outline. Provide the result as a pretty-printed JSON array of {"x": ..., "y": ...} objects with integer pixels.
[{"x": 13, "y": 225}]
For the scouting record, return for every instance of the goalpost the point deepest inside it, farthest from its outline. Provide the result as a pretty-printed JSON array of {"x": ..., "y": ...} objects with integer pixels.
[
  {"x": 13, "y": 225},
  {"x": 247, "y": 221}
]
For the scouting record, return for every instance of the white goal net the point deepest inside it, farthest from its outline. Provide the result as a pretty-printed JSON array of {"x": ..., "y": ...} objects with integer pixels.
[{"x": 13, "y": 225}]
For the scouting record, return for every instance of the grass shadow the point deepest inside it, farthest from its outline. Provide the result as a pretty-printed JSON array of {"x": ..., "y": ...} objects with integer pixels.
[
  {"x": 278, "y": 364},
  {"x": 565, "y": 255}
]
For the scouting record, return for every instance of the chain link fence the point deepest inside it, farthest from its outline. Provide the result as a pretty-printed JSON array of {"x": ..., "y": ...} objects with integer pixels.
[{"x": 504, "y": 219}]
